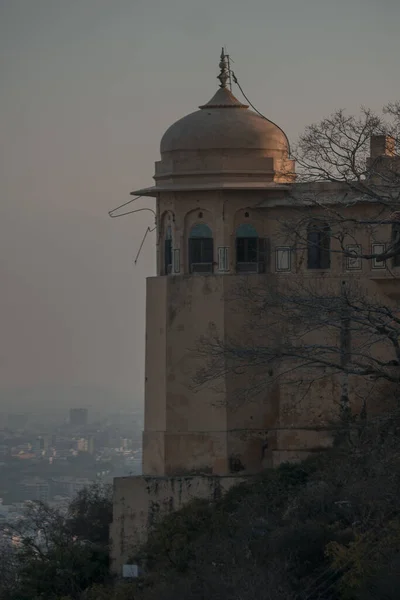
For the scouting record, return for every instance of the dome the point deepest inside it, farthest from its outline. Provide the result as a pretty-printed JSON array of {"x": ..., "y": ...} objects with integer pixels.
[
  {"x": 222, "y": 146},
  {"x": 225, "y": 123}
]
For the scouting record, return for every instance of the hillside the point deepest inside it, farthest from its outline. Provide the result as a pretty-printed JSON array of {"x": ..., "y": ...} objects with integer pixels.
[{"x": 326, "y": 529}]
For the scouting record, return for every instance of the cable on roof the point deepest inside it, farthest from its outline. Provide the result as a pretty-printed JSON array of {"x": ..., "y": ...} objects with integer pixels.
[
  {"x": 130, "y": 212},
  {"x": 257, "y": 111},
  {"x": 122, "y": 206},
  {"x": 148, "y": 230}
]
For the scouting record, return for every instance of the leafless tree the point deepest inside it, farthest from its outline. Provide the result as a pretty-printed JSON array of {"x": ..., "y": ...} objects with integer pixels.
[
  {"x": 308, "y": 328},
  {"x": 304, "y": 332},
  {"x": 8, "y": 568},
  {"x": 344, "y": 162}
]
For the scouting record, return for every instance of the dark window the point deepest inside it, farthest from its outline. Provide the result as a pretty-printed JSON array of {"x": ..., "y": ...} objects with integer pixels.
[
  {"x": 168, "y": 251},
  {"x": 246, "y": 250},
  {"x": 250, "y": 250},
  {"x": 318, "y": 246},
  {"x": 396, "y": 243},
  {"x": 201, "y": 249}
]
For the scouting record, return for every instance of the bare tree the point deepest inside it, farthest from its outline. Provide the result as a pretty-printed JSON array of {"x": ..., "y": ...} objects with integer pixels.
[
  {"x": 307, "y": 333},
  {"x": 8, "y": 568},
  {"x": 308, "y": 328},
  {"x": 53, "y": 554},
  {"x": 345, "y": 162}
]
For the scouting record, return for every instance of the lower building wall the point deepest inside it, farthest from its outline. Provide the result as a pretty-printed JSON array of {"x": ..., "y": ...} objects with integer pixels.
[{"x": 138, "y": 502}]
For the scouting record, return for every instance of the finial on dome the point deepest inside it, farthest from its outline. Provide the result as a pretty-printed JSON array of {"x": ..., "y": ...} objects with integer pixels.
[{"x": 223, "y": 65}]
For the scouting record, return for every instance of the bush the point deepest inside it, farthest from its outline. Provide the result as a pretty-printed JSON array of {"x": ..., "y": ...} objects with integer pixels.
[
  {"x": 60, "y": 556},
  {"x": 301, "y": 530}
]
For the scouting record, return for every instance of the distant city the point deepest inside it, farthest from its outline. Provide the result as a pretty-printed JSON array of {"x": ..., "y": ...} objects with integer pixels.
[{"x": 53, "y": 461}]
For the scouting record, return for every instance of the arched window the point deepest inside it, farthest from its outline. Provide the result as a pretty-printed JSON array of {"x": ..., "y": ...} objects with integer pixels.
[
  {"x": 396, "y": 244},
  {"x": 250, "y": 250},
  {"x": 168, "y": 251},
  {"x": 318, "y": 246},
  {"x": 201, "y": 249}
]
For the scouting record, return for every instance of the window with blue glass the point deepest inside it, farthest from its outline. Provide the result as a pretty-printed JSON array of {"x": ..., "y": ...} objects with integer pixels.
[
  {"x": 250, "y": 250},
  {"x": 201, "y": 249}
]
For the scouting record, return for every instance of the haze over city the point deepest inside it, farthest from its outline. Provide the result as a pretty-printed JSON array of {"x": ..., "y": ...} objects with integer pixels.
[{"x": 88, "y": 88}]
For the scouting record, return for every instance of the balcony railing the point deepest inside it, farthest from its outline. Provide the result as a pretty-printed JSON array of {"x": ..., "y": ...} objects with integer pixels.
[
  {"x": 201, "y": 268},
  {"x": 250, "y": 267}
]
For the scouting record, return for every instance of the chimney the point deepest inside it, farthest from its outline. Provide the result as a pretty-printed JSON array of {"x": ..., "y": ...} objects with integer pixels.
[{"x": 382, "y": 145}]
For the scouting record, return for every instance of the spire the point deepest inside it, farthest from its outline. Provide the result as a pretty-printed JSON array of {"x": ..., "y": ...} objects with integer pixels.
[
  {"x": 224, "y": 98},
  {"x": 224, "y": 73}
]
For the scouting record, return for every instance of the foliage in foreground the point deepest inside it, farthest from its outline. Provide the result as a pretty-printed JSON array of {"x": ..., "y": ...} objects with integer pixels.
[
  {"x": 325, "y": 529},
  {"x": 56, "y": 555}
]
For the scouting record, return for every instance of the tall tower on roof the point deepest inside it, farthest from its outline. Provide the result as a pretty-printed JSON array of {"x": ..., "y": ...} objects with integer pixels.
[{"x": 218, "y": 165}]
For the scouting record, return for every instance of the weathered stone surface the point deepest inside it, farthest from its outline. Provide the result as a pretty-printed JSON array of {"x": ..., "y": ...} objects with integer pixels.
[{"x": 140, "y": 501}]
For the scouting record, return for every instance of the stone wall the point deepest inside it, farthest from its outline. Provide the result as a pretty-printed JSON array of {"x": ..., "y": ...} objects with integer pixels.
[{"x": 140, "y": 501}]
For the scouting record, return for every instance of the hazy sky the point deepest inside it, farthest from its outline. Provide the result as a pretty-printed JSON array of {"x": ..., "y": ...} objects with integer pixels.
[{"x": 87, "y": 88}]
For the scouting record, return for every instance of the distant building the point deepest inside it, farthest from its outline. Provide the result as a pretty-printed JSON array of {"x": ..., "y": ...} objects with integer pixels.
[
  {"x": 40, "y": 445},
  {"x": 78, "y": 417},
  {"x": 82, "y": 445},
  {"x": 85, "y": 445},
  {"x": 35, "y": 488},
  {"x": 91, "y": 444}
]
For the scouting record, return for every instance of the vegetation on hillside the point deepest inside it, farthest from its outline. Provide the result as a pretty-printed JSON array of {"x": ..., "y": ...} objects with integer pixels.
[
  {"x": 325, "y": 529},
  {"x": 50, "y": 555}
]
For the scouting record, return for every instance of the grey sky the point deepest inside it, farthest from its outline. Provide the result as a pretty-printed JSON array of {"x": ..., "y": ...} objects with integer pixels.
[{"x": 87, "y": 89}]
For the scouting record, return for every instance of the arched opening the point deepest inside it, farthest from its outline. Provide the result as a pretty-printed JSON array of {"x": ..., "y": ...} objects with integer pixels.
[
  {"x": 250, "y": 250},
  {"x": 168, "y": 251},
  {"x": 318, "y": 246},
  {"x": 201, "y": 249}
]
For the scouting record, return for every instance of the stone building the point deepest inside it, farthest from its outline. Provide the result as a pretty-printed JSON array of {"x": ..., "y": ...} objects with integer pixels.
[{"x": 223, "y": 186}]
